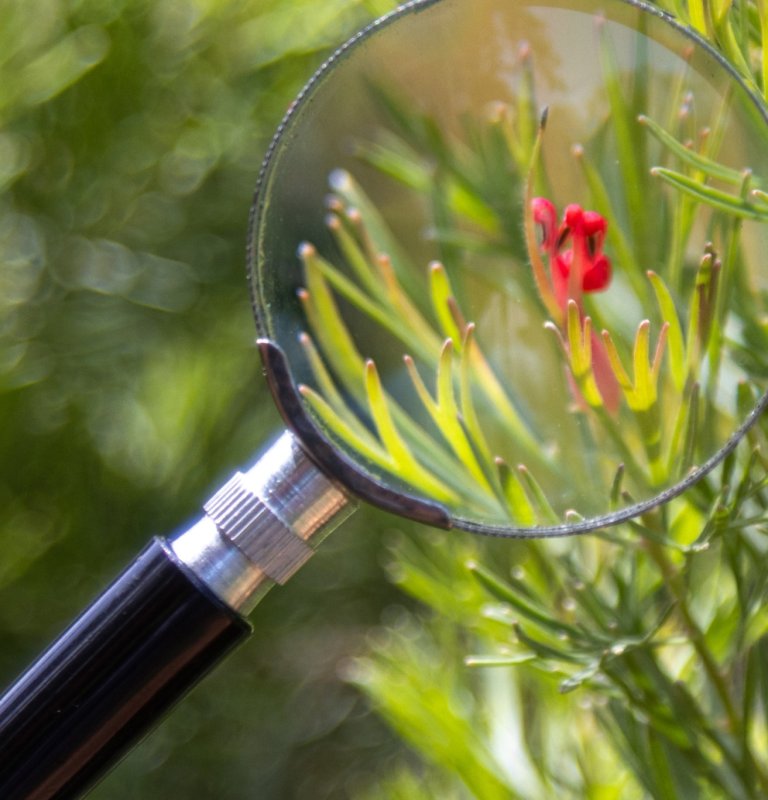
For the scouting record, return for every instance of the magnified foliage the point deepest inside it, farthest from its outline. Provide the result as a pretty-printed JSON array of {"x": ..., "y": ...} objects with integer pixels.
[{"x": 575, "y": 343}]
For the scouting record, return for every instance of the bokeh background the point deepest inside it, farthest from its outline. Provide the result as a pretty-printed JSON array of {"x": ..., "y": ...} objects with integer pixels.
[
  {"x": 131, "y": 135},
  {"x": 626, "y": 666}
]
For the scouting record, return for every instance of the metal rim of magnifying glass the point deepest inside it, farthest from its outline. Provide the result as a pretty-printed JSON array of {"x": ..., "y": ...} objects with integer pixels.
[{"x": 342, "y": 467}]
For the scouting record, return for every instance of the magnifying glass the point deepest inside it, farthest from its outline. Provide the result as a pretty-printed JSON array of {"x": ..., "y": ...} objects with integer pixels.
[
  {"x": 522, "y": 329},
  {"x": 506, "y": 264}
]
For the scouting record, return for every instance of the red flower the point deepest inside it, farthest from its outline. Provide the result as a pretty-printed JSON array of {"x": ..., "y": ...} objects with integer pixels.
[{"x": 577, "y": 263}]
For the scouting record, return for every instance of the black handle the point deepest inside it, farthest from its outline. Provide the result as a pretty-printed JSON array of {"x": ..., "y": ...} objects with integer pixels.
[{"x": 110, "y": 677}]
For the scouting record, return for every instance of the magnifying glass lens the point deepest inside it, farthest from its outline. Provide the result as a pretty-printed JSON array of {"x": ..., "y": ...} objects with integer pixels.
[{"x": 532, "y": 323}]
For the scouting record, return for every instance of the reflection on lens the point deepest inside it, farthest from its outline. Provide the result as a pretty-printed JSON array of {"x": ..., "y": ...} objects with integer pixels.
[{"x": 527, "y": 323}]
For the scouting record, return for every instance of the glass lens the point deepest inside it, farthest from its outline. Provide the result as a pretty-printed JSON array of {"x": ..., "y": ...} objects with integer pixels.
[{"x": 530, "y": 324}]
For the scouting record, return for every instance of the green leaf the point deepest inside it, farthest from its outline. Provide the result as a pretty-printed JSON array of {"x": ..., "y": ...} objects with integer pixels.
[
  {"x": 326, "y": 323},
  {"x": 538, "y": 497},
  {"x": 392, "y": 157},
  {"x": 543, "y": 283},
  {"x": 441, "y": 295},
  {"x": 675, "y": 340},
  {"x": 382, "y": 241},
  {"x": 445, "y": 415},
  {"x": 339, "y": 426},
  {"x": 539, "y": 615},
  {"x": 499, "y": 661},
  {"x": 625, "y": 256},
  {"x": 691, "y": 157},
  {"x": 580, "y": 354},
  {"x": 467, "y": 403},
  {"x": 717, "y": 199},
  {"x": 630, "y": 146},
  {"x": 520, "y": 506},
  {"x": 353, "y": 254},
  {"x": 757, "y": 626},
  {"x": 399, "y": 326},
  {"x": 405, "y": 464}
]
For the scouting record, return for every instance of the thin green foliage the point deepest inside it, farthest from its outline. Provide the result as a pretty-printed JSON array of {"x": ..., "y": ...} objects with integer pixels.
[
  {"x": 652, "y": 635},
  {"x": 631, "y": 663},
  {"x": 446, "y": 345}
]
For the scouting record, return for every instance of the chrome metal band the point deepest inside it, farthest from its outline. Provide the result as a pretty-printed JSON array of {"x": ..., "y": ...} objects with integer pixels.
[
  {"x": 246, "y": 521},
  {"x": 262, "y": 525},
  {"x": 221, "y": 566}
]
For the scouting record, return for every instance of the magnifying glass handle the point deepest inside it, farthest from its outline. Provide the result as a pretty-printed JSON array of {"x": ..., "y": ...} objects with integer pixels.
[
  {"x": 106, "y": 681},
  {"x": 160, "y": 627}
]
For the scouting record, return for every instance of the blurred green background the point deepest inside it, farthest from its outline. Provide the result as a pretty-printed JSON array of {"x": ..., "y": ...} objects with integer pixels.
[{"x": 131, "y": 134}]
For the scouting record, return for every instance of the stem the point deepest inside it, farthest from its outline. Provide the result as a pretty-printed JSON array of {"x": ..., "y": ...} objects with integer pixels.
[
  {"x": 696, "y": 637},
  {"x": 692, "y": 630}
]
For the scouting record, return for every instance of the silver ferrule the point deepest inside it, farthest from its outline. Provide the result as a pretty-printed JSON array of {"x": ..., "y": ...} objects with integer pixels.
[{"x": 262, "y": 525}]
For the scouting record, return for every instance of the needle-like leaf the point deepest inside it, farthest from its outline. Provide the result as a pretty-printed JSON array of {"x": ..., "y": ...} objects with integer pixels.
[
  {"x": 405, "y": 464},
  {"x": 676, "y": 342},
  {"x": 691, "y": 157},
  {"x": 716, "y": 198}
]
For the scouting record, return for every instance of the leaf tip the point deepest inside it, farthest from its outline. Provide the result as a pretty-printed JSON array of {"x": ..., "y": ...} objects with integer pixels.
[
  {"x": 340, "y": 180},
  {"x": 306, "y": 250},
  {"x": 436, "y": 267}
]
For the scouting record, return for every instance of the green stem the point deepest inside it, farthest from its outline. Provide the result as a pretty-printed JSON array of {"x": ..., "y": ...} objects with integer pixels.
[
  {"x": 692, "y": 630},
  {"x": 696, "y": 637}
]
